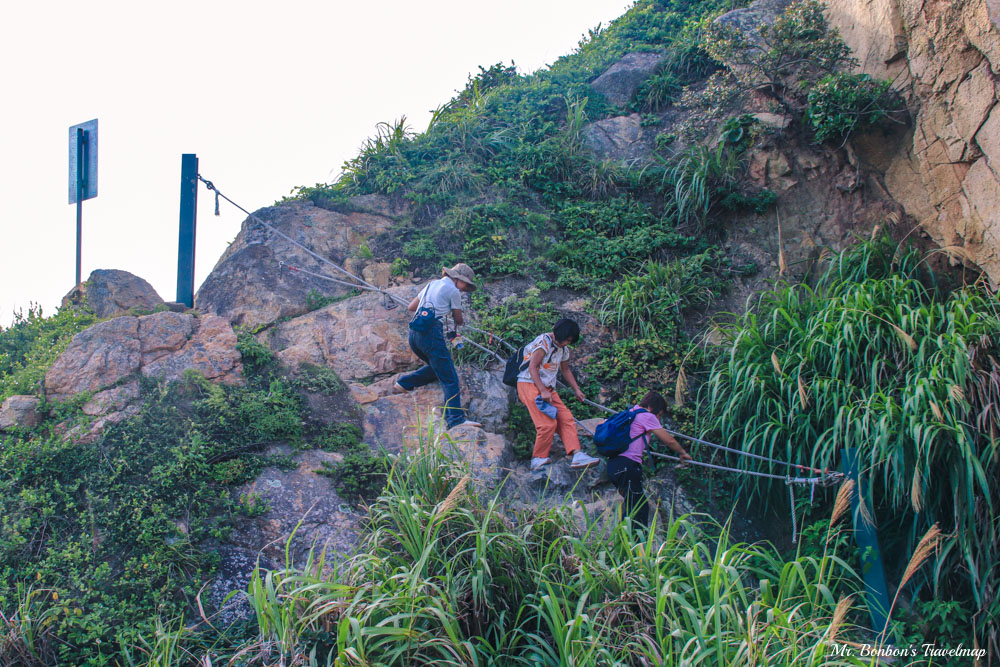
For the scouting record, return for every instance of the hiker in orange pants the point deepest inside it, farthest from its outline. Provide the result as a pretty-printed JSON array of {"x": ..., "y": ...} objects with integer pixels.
[{"x": 543, "y": 358}]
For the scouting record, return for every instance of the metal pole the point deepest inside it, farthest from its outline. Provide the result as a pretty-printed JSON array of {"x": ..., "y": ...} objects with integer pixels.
[
  {"x": 872, "y": 569},
  {"x": 81, "y": 185},
  {"x": 188, "y": 224}
]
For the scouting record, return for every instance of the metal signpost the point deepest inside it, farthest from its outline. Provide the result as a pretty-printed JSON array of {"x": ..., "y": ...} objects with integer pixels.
[
  {"x": 188, "y": 222},
  {"x": 82, "y": 175}
]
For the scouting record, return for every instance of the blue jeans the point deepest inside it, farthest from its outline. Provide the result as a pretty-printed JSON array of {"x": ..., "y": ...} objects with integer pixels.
[{"x": 432, "y": 349}]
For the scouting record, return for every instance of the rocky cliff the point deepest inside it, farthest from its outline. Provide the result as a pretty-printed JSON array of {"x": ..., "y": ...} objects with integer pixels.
[{"x": 945, "y": 170}]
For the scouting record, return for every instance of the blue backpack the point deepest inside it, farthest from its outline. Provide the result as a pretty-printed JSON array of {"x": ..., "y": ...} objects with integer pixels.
[{"x": 612, "y": 438}]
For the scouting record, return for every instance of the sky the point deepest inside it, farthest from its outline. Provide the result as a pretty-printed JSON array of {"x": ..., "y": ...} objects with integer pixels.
[{"x": 269, "y": 96}]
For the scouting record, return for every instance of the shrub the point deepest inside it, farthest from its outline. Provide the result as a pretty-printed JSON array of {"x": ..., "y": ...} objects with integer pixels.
[
  {"x": 257, "y": 358},
  {"x": 318, "y": 379},
  {"x": 118, "y": 534},
  {"x": 841, "y": 103},
  {"x": 339, "y": 437},
  {"x": 798, "y": 46}
]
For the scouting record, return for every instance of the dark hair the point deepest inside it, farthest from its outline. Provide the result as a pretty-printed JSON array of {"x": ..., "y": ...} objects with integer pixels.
[
  {"x": 653, "y": 402},
  {"x": 566, "y": 329}
]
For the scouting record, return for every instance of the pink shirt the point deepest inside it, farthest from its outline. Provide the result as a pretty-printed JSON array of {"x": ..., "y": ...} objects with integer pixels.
[{"x": 644, "y": 422}]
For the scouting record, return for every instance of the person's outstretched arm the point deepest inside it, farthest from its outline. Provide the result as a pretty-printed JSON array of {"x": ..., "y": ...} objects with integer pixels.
[{"x": 672, "y": 443}]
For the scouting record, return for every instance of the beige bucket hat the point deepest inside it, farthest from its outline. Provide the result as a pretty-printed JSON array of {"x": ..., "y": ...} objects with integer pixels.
[{"x": 464, "y": 273}]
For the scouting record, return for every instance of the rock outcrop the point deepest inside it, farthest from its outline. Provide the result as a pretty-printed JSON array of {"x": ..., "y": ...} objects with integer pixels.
[
  {"x": 112, "y": 293},
  {"x": 618, "y": 137},
  {"x": 304, "y": 509},
  {"x": 620, "y": 82},
  {"x": 358, "y": 338},
  {"x": 105, "y": 357},
  {"x": 19, "y": 412},
  {"x": 945, "y": 56},
  {"x": 256, "y": 281}
]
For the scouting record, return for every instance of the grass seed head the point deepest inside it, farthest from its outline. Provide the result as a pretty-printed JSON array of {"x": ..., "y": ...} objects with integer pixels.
[
  {"x": 843, "y": 501},
  {"x": 839, "y": 614},
  {"x": 906, "y": 338},
  {"x": 916, "y": 491},
  {"x": 681, "y": 386},
  {"x": 927, "y": 545},
  {"x": 451, "y": 500}
]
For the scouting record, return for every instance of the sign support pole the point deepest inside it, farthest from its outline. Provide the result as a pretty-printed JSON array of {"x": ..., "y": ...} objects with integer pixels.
[
  {"x": 188, "y": 224},
  {"x": 81, "y": 187},
  {"x": 82, "y": 178}
]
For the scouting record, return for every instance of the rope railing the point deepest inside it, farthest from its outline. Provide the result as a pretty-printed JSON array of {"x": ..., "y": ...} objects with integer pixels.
[{"x": 825, "y": 478}]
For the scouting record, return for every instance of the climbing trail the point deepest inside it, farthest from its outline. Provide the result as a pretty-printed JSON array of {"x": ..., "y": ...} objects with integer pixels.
[{"x": 825, "y": 478}]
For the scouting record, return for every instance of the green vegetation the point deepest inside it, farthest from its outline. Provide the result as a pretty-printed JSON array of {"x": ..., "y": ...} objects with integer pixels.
[
  {"x": 318, "y": 379},
  {"x": 32, "y": 343},
  {"x": 444, "y": 578},
  {"x": 104, "y": 547},
  {"x": 841, "y": 103},
  {"x": 876, "y": 358},
  {"x": 786, "y": 57},
  {"x": 654, "y": 298},
  {"x": 115, "y": 534}
]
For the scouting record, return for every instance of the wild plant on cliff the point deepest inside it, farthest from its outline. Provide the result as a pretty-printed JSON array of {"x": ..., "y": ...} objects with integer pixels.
[{"x": 874, "y": 359}]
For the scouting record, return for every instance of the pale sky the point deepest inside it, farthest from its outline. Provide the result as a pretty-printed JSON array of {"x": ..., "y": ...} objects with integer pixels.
[{"x": 269, "y": 95}]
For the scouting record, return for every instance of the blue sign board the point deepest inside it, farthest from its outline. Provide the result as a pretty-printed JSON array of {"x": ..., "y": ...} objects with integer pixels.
[{"x": 83, "y": 172}]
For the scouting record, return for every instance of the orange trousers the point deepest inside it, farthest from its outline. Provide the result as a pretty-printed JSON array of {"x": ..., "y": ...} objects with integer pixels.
[{"x": 546, "y": 427}]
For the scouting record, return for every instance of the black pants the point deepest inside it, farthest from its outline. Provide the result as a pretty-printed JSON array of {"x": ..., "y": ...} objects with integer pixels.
[{"x": 626, "y": 475}]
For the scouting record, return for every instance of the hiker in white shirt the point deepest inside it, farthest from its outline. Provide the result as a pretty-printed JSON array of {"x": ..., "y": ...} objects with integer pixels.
[
  {"x": 544, "y": 358},
  {"x": 432, "y": 305}
]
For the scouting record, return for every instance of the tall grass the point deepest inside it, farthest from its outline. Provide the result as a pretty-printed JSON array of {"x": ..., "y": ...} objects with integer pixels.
[
  {"x": 655, "y": 296},
  {"x": 906, "y": 375},
  {"x": 446, "y": 578},
  {"x": 27, "y": 634}
]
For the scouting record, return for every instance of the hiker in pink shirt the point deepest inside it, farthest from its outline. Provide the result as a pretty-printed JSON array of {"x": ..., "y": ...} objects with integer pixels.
[{"x": 625, "y": 470}]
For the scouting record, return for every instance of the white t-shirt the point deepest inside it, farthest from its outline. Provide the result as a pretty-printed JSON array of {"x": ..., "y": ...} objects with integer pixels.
[
  {"x": 549, "y": 367},
  {"x": 442, "y": 295}
]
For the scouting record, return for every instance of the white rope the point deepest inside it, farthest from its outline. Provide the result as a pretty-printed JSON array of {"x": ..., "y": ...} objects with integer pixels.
[{"x": 364, "y": 285}]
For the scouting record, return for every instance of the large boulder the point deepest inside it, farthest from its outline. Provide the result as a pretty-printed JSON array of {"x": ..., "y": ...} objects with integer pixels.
[
  {"x": 618, "y": 137},
  {"x": 945, "y": 57},
  {"x": 161, "y": 345},
  {"x": 621, "y": 81},
  {"x": 299, "y": 501},
  {"x": 112, "y": 293},
  {"x": 19, "y": 412},
  {"x": 256, "y": 280},
  {"x": 358, "y": 338},
  {"x": 394, "y": 420}
]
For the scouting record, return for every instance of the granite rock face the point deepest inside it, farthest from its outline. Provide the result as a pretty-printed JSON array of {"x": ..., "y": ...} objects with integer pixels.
[
  {"x": 618, "y": 137},
  {"x": 161, "y": 345},
  {"x": 945, "y": 57},
  {"x": 621, "y": 81},
  {"x": 112, "y": 293},
  {"x": 262, "y": 277},
  {"x": 19, "y": 412},
  {"x": 358, "y": 337}
]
